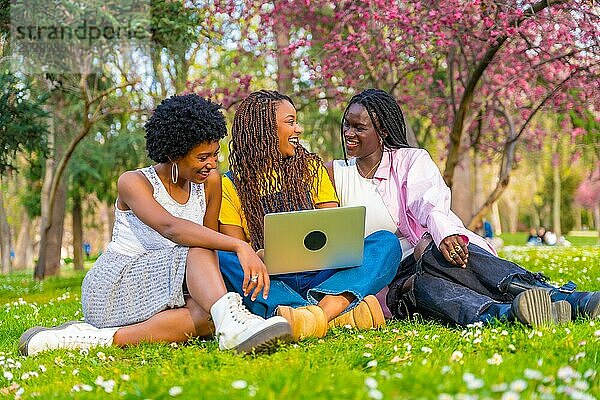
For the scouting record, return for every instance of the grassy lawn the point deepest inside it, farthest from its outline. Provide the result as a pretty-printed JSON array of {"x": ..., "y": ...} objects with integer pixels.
[
  {"x": 520, "y": 238},
  {"x": 406, "y": 359}
]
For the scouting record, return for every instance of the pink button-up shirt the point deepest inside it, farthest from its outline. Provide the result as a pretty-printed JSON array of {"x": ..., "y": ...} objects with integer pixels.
[{"x": 418, "y": 199}]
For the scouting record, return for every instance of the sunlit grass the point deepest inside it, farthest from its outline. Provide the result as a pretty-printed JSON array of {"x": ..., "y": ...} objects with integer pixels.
[
  {"x": 520, "y": 239},
  {"x": 407, "y": 359}
]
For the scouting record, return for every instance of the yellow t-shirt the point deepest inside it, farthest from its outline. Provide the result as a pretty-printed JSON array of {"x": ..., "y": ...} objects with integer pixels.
[{"x": 231, "y": 207}]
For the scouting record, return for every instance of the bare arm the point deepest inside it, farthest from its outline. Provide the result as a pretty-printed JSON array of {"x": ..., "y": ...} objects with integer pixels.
[
  {"x": 135, "y": 193},
  {"x": 212, "y": 188},
  {"x": 263, "y": 281},
  {"x": 329, "y": 167},
  {"x": 329, "y": 204}
]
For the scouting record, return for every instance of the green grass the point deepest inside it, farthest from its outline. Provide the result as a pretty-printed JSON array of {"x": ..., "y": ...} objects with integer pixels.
[
  {"x": 520, "y": 239},
  {"x": 406, "y": 359}
]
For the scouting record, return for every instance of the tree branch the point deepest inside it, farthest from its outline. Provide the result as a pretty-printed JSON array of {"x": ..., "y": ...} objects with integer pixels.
[
  {"x": 508, "y": 156},
  {"x": 366, "y": 58},
  {"x": 544, "y": 100},
  {"x": 109, "y": 91},
  {"x": 467, "y": 98}
]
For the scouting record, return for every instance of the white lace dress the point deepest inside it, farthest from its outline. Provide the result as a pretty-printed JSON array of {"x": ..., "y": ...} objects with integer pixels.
[{"x": 141, "y": 273}]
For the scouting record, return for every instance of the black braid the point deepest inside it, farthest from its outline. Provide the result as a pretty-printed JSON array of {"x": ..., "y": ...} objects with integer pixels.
[{"x": 386, "y": 116}]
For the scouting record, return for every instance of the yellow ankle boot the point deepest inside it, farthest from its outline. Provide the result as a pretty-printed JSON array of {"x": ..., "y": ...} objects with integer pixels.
[
  {"x": 309, "y": 321},
  {"x": 367, "y": 314}
]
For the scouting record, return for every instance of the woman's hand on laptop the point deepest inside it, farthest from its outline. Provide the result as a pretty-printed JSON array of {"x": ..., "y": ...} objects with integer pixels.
[{"x": 256, "y": 277}]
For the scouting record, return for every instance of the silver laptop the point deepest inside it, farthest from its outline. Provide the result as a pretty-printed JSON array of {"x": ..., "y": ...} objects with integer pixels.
[{"x": 312, "y": 240}]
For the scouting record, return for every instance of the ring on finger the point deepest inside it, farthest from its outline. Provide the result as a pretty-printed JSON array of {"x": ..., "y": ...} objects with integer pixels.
[
  {"x": 452, "y": 254},
  {"x": 457, "y": 248},
  {"x": 254, "y": 278}
]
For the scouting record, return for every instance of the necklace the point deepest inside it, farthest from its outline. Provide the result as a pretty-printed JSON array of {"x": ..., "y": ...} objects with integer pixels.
[{"x": 366, "y": 176}]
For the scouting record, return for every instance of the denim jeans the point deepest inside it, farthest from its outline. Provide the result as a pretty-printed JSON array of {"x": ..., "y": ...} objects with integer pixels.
[
  {"x": 381, "y": 258},
  {"x": 453, "y": 294}
]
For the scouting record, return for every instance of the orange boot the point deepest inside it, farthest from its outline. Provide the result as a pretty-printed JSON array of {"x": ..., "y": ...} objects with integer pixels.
[
  {"x": 367, "y": 314},
  {"x": 309, "y": 321}
]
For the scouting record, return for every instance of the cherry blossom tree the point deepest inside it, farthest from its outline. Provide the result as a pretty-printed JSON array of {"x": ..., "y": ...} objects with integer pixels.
[{"x": 479, "y": 71}]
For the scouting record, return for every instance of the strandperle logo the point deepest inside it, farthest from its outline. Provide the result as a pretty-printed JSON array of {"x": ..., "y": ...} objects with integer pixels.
[
  {"x": 68, "y": 36},
  {"x": 86, "y": 32}
]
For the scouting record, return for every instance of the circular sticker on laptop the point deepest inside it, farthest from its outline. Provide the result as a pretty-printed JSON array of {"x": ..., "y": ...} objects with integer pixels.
[{"x": 315, "y": 240}]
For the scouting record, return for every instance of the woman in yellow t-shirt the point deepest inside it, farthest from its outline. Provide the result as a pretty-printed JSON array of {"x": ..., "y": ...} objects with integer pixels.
[{"x": 271, "y": 172}]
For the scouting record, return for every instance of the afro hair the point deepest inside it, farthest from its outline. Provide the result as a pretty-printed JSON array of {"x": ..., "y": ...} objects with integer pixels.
[{"x": 180, "y": 123}]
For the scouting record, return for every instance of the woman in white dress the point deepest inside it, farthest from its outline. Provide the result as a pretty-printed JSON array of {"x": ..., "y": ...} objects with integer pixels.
[{"x": 159, "y": 279}]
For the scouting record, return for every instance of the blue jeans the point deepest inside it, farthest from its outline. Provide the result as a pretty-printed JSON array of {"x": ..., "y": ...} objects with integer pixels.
[
  {"x": 381, "y": 258},
  {"x": 453, "y": 294}
]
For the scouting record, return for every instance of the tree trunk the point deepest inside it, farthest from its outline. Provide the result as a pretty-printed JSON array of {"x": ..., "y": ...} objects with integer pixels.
[
  {"x": 596, "y": 213},
  {"x": 5, "y": 236},
  {"x": 512, "y": 205},
  {"x": 284, "y": 71},
  {"x": 477, "y": 185},
  {"x": 475, "y": 76},
  {"x": 462, "y": 193},
  {"x": 477, "y": 180},
  {"x": 40, "y": 268},
  {"x": 158, "y": 91},
  {"x": 535, "y": 218},
  {"x": 498, "y": 229},
  {"x": 577, "y": 217},
  {"x": 181, "y": 76},
  {"x": 24, "y": 244},
  {"x": 503, "y": 175},
  {"x": 51, "y": 238},
  {"x": 77, "y": 231},
  {"x": 54, "y": 188},
  {"x": 546, "y": 213},
  {"x": 556, "y": 228},
  {"x": 52, "y": 205}
]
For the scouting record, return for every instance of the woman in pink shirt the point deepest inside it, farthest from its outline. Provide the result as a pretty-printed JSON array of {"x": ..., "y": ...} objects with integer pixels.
[{"x": 454, "y": 274}]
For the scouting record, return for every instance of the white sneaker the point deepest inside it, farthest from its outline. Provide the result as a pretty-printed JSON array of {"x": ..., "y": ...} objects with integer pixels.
[
  {"x": 238, "y": 329},
  {"x": 70, "y": 335}
]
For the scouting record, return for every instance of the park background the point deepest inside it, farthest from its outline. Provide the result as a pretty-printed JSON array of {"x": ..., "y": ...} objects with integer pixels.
[
  {"x": 503, "y": 94},
  {"x": 503, "y": 97}
]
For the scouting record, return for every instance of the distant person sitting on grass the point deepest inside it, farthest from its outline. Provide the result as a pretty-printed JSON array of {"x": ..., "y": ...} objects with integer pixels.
[
  {"x": 533, "y": 239},
  {"x": 159, "y": 279},
  {"x": 488, "y": 235},
  {"x": 447, "y": 272},
  {"x": 550, "y": 238},
  {"x": 541, "y": 233},
  {"x": 488, "y": 231}
]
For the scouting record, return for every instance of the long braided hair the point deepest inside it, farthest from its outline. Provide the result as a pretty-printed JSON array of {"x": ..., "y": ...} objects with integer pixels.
[
  {"x": 386, "y": 116},
  {"x": 265, "y": 181}
]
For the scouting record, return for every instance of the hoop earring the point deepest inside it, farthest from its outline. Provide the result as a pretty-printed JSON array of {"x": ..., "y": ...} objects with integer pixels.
[{"x": 174, "y": 173}]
